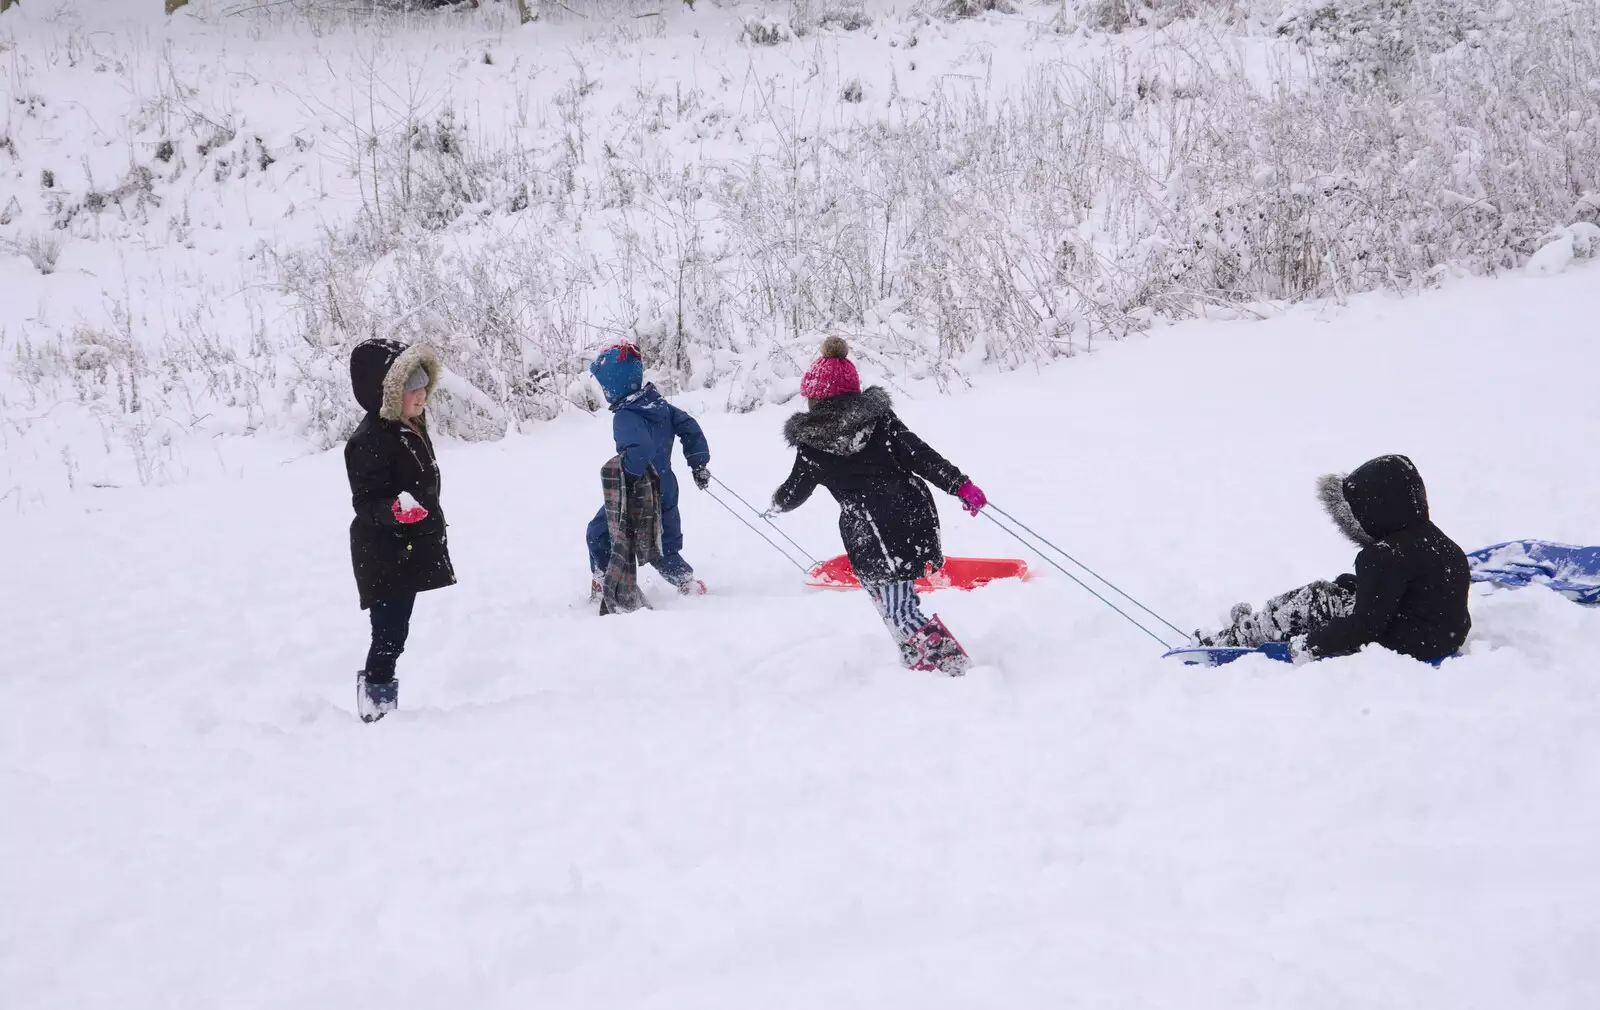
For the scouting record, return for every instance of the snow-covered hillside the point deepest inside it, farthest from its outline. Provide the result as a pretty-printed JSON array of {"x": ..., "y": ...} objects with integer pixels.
[
  {"x": 200, "y": 214},
  {"x": 742, "y": 801}
]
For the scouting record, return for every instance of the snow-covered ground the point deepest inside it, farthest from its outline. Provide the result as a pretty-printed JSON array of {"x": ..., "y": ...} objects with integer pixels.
[{"x": 741, "y": 801}]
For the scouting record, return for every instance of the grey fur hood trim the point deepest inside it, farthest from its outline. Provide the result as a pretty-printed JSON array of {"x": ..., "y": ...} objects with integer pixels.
[
  {"x": 840, "y": 425},
  {"x": 1330, "y": 490},
  {"x": 394, "y": 380}
]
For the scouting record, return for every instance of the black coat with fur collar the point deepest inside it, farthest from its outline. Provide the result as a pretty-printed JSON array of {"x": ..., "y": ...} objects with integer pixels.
[
  {"x": 1411, "y": 581},
  {"x": 874, "y": 466},
  {"x": 383, "y": 458}
]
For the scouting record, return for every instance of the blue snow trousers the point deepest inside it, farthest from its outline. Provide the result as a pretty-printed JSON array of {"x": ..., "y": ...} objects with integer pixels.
[{"x": 671, "y": 564}]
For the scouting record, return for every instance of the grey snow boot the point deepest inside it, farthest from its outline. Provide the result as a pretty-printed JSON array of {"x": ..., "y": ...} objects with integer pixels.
[{"x": 376, "y": 698}]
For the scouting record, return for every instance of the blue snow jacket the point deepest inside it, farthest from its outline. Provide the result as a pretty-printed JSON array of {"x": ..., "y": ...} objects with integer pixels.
[{"x": 643, "y": 425}]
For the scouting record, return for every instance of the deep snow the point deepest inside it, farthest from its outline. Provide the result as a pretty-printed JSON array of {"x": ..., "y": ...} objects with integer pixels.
[{"x": 740, "y": 801}]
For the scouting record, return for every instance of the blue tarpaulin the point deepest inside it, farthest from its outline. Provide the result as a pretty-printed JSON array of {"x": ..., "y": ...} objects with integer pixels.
[{"x": 1574, "y": 572}]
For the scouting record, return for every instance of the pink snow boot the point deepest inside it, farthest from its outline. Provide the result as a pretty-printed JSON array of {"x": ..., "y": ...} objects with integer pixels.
[{"x": 934, "y": 648}]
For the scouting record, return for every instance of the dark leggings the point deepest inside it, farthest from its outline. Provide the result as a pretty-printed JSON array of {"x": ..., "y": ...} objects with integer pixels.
[{"x": 391, "y": 623}]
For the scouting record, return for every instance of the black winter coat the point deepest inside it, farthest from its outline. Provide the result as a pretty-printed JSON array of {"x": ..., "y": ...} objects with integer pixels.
[
  {"x": 1411, "y": 581},
  {"x": 857, "y": 448},
  {"x": 383, "y": 458}
]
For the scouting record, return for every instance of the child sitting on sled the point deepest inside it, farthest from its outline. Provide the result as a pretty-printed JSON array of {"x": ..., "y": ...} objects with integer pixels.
[
  {"x": 644, "y": 424},
  {"x": 1409, "y": 590},
  {"x": 852, "y": 443}
]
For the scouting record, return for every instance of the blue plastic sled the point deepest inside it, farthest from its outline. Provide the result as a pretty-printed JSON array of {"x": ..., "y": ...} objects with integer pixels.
[
  {"x": 1196, "y": 655},
  {"x": 1574, "y": 572},
  {"x": 1199, "y": 655}
]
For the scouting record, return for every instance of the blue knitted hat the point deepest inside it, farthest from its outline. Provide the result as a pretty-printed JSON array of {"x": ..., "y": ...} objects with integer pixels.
[{"x": 620, "y": 371}]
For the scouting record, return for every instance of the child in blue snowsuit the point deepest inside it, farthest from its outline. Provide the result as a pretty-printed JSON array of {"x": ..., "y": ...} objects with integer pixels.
[{"x": 644, "y": 424}]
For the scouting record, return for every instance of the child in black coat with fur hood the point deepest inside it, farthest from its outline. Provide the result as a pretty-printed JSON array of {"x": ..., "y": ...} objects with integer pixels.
[
  {"x": 398, "y": 545},
  {"x": 852, "y": 443},
  {"x": 1408, "y": 592}
]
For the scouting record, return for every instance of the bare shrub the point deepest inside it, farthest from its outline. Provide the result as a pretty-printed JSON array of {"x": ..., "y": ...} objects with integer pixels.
[
  {"x": 503, "y": 317},
  {"x": 42, "y": 251},
  {"x": 845, "y": 19},
  {"x": 1120, "y": 15},
  {"x": 1109, "y": 15},
  {"x": 1385, "y": 40},
  {"x": 133, "y": 198},
  {"x": 957, "y": 9},
  {"x": 764, "y": 33}
]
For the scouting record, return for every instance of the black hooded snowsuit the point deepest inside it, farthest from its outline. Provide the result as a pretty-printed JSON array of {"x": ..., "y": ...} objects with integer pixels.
[
  {"x": 1411, "y": 580},
  {"x": 855, "y": 446},
  {"x": 383, "y": 458}
]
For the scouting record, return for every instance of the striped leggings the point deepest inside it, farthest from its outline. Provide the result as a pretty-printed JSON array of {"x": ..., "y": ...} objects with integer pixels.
[{"x": 897, "y": 605}]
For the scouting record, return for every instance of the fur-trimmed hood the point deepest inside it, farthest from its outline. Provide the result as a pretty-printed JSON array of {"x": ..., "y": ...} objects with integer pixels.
[
  {"x": 840, "y": 425},
  {"x": 378, "y": 372},
  {"x": 1378, "y": 498}
]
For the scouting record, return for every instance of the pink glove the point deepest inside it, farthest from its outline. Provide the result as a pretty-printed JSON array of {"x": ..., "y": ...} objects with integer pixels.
[
  {"x": 972, "y": 498},
  {"x": 408, "y": 516}
]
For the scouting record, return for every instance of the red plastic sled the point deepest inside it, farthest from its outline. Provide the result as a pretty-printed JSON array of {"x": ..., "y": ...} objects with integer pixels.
[{"x": 958, "y": 573}]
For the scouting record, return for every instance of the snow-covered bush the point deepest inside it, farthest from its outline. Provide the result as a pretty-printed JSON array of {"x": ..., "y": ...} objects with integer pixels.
[
  {"x": 43, "y": 251},
  {"x": 1192, "y": 183},
  {"x": 501, "y": 312},
  {"x": 973, "y": 8},
  {"x": 759, "y": 32},
  {"x": 847, "y": 18},
  {"x": 1120, "y": 15},
  {"x": 356, "y": 7},
  {"x": 1386, "y": 40}
]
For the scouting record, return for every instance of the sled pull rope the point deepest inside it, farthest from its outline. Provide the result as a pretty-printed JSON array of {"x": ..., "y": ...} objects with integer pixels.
[
  {"x": 757, "y": 531},
  {"x": 1114, "y": 588},
  {"x": 1083, "y": 585},
  {"x": 757, "y": 512}
]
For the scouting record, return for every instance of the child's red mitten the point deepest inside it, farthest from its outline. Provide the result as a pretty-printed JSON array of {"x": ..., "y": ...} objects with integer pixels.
[{"x": 408, "y": 516}]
